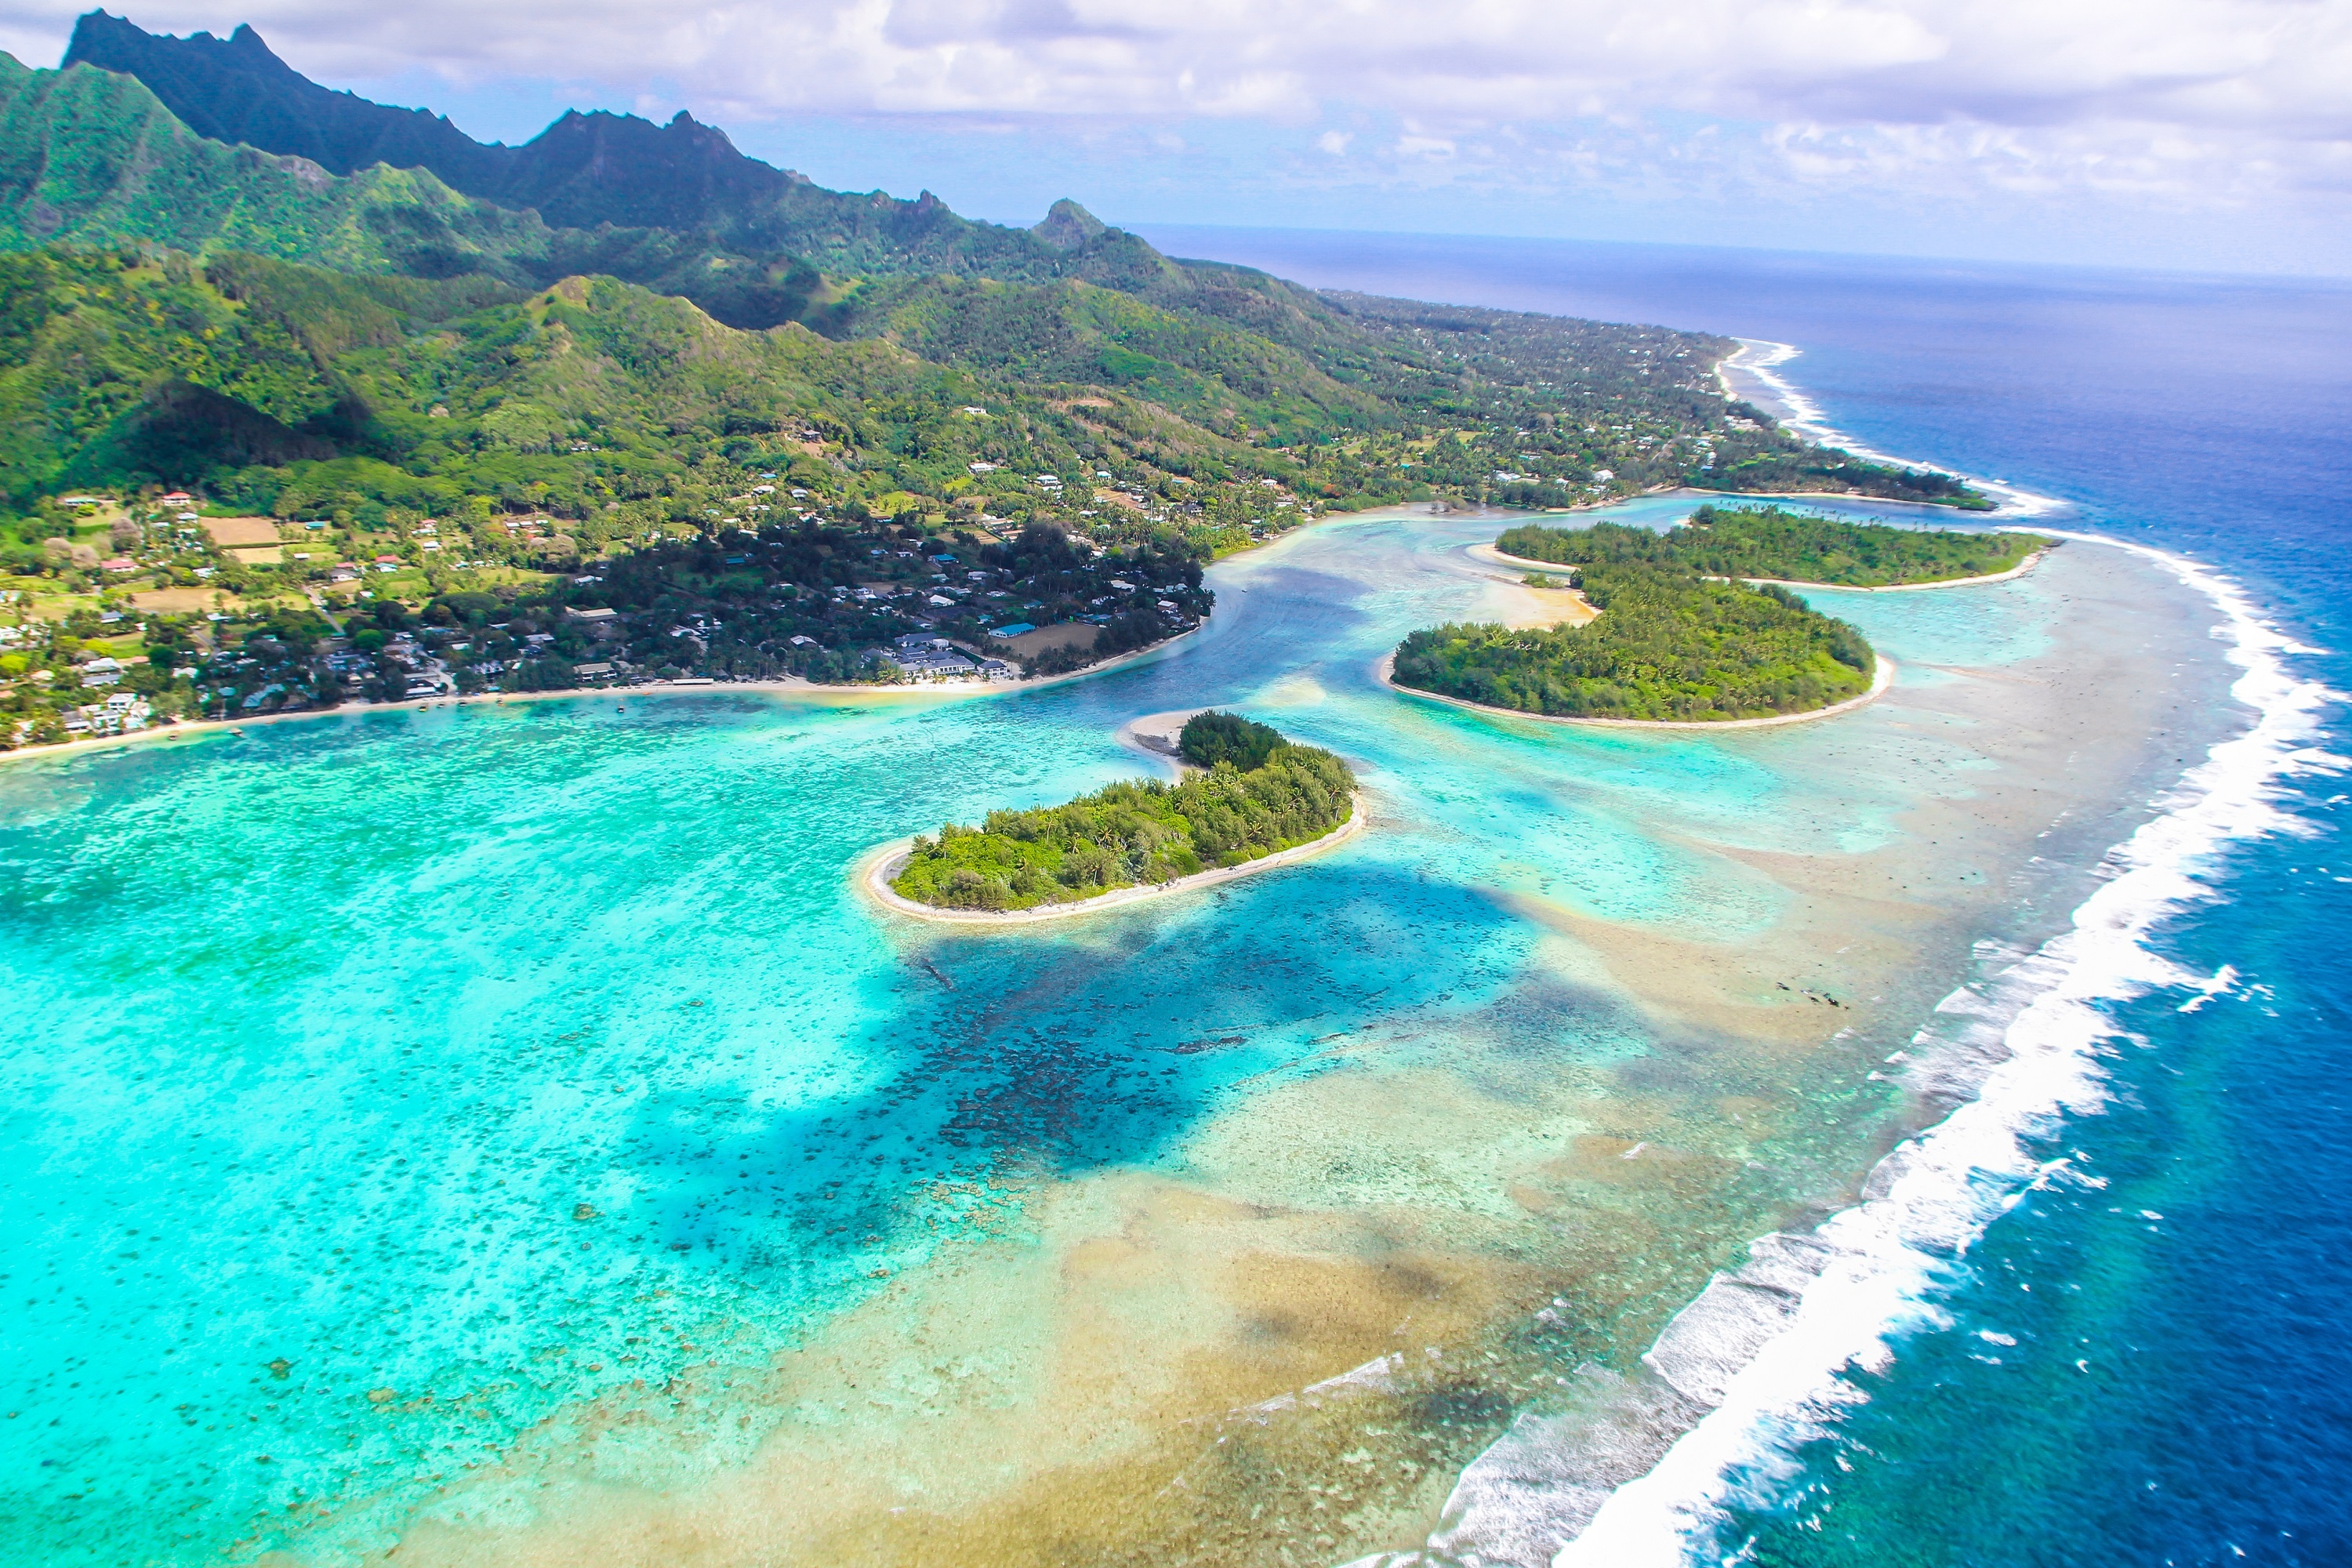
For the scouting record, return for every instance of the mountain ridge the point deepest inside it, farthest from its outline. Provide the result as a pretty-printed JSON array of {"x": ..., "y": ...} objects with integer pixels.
[
  {"x": 1373, "y": 398},
  {"x": 277, "y": 109},
  {"x": 588, "y": 170}
]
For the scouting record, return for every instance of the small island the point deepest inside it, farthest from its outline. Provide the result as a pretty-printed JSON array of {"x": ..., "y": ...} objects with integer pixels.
[
  {"x": 1249, "y": 798},
  {"x": 1695, "y": 625},
  {"x": 1772, "y": 544}
]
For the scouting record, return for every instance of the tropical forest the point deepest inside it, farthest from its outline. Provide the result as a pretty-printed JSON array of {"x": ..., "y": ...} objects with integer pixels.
[
  {"x": 1247, "y": 792},
  {"x": 310, "y": 400},
  {"x": 1669, "y": 643},
  {"x": 1774, "y": 544}
]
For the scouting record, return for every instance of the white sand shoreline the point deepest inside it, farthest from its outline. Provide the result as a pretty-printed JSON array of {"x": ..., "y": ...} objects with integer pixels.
[
  {"x": 1882, "y": 679},
  {"x": 874, "y": 869},
  {"x": 789, "y": 685},
  {"x": 1156, "y": 735},
  {"x": 1494, "y": 557}
]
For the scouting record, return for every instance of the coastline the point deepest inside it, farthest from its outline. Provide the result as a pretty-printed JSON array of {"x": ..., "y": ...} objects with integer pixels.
[
  {"x": 1186, "y": 1263},
  {"x": 1154, "y": 735},
  {"x": 948, "y": 690},
  {"x": 937, "y": 690},
  {"x": 873, "y": 869},
  {"x": 1879, "y": 680},
  {"x": 1783, "y": 400},
  {"x": 1154, "y": 1259},
  {"x": 1491, "y": 556},
  {"x": 2027, "y": 1050}
]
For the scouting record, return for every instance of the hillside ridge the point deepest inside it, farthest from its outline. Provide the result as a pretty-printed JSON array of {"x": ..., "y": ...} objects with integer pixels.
[{"x": 590, "y": 169}]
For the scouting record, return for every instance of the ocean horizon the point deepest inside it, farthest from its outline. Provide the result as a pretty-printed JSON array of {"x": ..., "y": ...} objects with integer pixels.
[{"x": 502, "y": 1132}]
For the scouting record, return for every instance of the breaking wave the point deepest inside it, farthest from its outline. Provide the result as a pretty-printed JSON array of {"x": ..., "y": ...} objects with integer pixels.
[
  {"x": 1760, "y": 359},
  {"x": 1639, "y": 1471},
  {"x": 1766, "y": 1354}
]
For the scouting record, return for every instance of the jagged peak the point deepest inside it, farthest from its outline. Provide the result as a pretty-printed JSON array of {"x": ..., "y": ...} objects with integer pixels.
[
  {"x": 586, "y": 170},
  {"x": 244, "y": 48},
  {"x": 1069, "y": 226},
  {"x": 246, "y": 40}
]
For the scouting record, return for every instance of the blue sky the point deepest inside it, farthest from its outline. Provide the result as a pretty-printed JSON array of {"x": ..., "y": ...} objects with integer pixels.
[{"x": 2200, "y": 135}]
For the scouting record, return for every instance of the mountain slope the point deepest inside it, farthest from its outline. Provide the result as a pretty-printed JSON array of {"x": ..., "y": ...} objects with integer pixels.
[
  {"x": 1373, "y": 398},
  {"x": 1186, "y": 360},
  {"x": 587, "y": 170},
  {"x": 236, "y": 89},
  {"x": 272, "y": 385},
  {"x": 88, "y": 157}
]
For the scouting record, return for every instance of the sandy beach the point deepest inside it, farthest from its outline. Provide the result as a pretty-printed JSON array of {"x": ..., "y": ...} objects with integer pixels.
[
  {"x": 1130, "y": 1403},
  {"x": 1156, "y": 736},
  {"x": 787, "y": 686}
]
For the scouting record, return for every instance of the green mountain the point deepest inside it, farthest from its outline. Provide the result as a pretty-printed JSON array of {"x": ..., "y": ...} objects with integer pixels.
[
  {"x": 91, "y": 159},
  {"x": 1200, "y": 371},
  {"x": 88, "y": 157},
  {"x": 235, "y": 89},
  {"x": 591, "y": 171},
  {"x": 276, "y": 386}
]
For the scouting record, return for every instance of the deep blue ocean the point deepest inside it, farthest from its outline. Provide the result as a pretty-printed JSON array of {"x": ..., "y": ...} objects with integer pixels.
[{"x": 2145, "y": 1359}]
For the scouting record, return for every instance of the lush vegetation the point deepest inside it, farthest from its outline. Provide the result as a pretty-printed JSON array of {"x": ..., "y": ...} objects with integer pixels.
[
  {"x": 446, "y": 420},
  {"x": 1357, "y": 399},
  {"x": 1669, "y": 643},
  {"x": 610, "y": 193},
  {"x": 1129, "y": 835},
  {"x": 1774, "y": 543},
  {"x": 1601, "y": 411},
  {"x": 1211, "y": 737}
]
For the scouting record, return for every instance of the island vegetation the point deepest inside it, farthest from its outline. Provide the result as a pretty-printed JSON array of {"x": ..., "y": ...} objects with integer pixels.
[
  {"x": 288, "y": 427},
  {"x": 1774, "y": 543},
  {"x": 1669, "y": 643},
  {"x": 1249, "y": 793}
]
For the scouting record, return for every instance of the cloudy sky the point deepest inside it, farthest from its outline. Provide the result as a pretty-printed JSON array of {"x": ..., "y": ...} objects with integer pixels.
[{"x": 2195, "y": 133}]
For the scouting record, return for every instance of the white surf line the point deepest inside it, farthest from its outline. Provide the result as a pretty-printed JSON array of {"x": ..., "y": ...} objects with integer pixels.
[
  {"x": 1761, "y": 358},
  {"x": 1883, "y": 1265},
  {"x": 1756, "y": 1365},
  {"x": 1644, "y": 1469}
]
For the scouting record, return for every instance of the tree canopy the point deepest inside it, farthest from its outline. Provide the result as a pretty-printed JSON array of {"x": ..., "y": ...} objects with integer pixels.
[
  {"x": 1669, "y": 643},
  {"x": 1212, "y": 737},
  {"x": 1771, "y": 542},
  {"x": 1133, "y": 834}
]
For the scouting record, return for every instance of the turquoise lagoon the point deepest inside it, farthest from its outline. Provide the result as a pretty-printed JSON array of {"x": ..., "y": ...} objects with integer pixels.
[{"x": 496, "y": 1128}]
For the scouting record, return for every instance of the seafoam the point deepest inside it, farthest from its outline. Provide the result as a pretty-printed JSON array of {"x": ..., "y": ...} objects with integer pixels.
[
  {"x": 1760, "y": 359},
  {"x": 1640, "y": 1474},
  {"x": 1887, "y": 1259}
]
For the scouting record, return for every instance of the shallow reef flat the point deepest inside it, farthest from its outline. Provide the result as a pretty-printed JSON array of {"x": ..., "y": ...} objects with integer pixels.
[{"x": 1225, "y": 1228}]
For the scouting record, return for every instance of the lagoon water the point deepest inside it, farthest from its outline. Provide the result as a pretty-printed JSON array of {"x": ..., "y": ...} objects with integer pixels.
[
  {"x": 502, "y": 1132},
  {"x": 2176, "y": 1390}
]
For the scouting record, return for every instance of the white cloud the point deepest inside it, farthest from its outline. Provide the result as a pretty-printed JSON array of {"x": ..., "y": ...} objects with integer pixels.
[{"x": 2185, "y": 101}]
